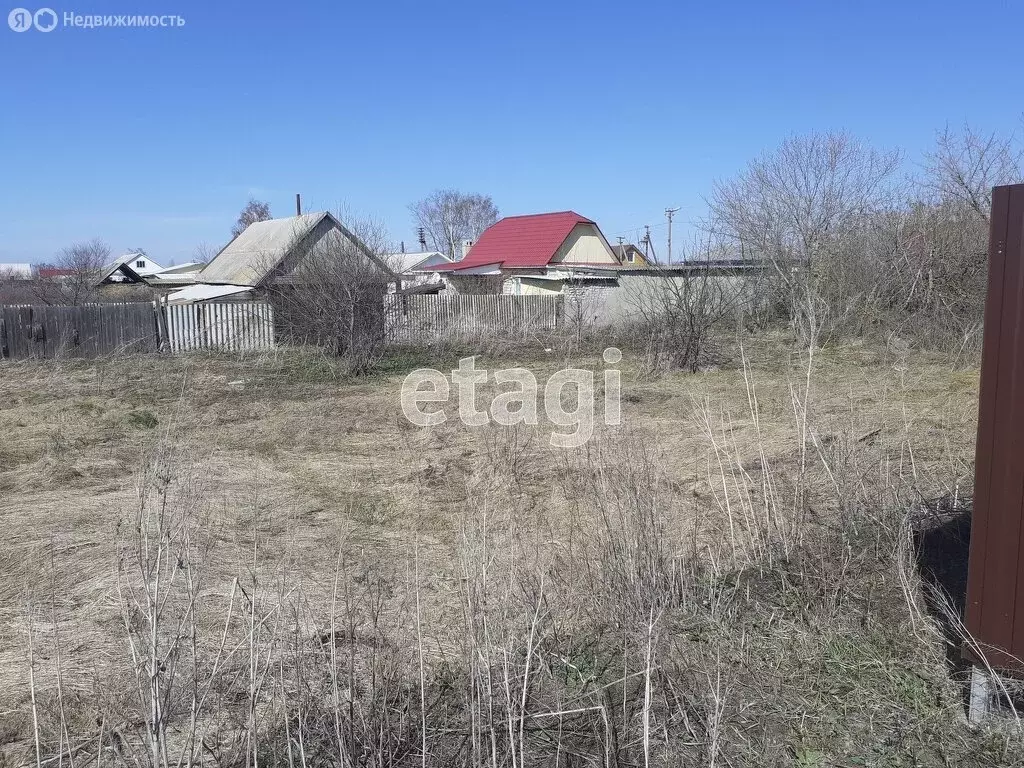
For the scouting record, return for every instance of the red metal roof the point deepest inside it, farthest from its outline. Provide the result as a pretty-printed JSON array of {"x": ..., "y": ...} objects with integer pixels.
[
  {"x": 522, "y": 241},
  {"x": 51, "y": 272}
]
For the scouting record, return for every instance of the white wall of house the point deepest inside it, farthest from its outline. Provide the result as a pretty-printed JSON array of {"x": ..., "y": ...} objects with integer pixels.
[
  {"x": 638, "y": 294},
  {"x": 584, "y": 245},
  {"x": 527, "y": 286}
]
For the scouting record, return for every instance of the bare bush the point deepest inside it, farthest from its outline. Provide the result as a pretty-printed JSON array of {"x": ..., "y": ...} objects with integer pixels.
[
  {"x": 853, "y": 253},
  {"x": 332, "y": 296},
  {"x": 796, "y": 209},
  {"x": 676, "y": 316},
  {"x": 965, "y": 165},
  {"x": 81, "y": 265}
]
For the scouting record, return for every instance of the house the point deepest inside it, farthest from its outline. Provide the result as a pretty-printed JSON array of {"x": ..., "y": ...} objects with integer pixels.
[
  {"x": 533, "y": 254},
  {"x": 628, "y": 255},
  {"x": 417, "y": 269},
  {"x": 132, "y": 267},
  {"x": 178, "y": 276},
  {"x": 55, "y": 273},
  {"x": 271, "y": 253},
  {"x": 16, "y": 271}
]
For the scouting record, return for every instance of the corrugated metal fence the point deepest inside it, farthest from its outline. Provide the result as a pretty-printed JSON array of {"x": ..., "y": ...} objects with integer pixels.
[
  {"x": 995, "y": 588},
  {"x": 431, "y": 317},
  {"x": 94, "y": 330},
  {"x": 226, "y": 327}
]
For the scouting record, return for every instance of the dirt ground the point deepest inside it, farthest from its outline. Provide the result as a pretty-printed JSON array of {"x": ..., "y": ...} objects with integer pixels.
[{"x": 309, "y": 464}]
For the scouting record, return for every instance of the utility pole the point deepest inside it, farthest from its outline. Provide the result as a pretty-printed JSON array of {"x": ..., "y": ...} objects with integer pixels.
[
  {"x": 622, "y": 252},
  {"x": 670, "y": 212},
  {"x": 649, "y": 255}
]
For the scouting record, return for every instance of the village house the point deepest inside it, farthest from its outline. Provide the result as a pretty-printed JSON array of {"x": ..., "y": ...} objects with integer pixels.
[
  {"x": 629, "y": 255},
  {"x": 267, "y": 254},
  {"x": 133, "y": 267},
  {"x": 533, "y": 254},
  {"x": 417, "y": 271}
]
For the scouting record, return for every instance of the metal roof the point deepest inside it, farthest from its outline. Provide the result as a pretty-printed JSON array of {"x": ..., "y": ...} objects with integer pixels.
[
  {"x": 127, "y": 260},
  {"x": 189, "y": 266},
  {"x": 403, "y": 263},
  {"x": 205, "y": 293},
  {"x": 248, "y": 258},
  {"x": 523, "y": 241}
]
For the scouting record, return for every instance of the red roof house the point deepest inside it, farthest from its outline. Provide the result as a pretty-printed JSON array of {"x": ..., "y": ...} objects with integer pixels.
[
  {"x": 53, "y": 273},
  {"x": 538, "y": 248}
]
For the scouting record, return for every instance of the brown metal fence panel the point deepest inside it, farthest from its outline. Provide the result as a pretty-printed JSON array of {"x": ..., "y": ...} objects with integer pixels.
[{"x": 995, "y": 590}]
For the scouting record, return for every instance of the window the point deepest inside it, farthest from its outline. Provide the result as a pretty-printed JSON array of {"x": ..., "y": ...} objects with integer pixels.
[
  {"x": 140, "y": 263},
  {"x": 629, "y": 256}
]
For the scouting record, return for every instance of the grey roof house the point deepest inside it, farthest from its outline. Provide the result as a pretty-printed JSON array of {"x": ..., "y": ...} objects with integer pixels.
[{"x": 268, "y": 252}]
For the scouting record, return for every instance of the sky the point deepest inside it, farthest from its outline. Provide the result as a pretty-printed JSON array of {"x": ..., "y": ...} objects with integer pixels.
[{"x": 155, "y": 138}]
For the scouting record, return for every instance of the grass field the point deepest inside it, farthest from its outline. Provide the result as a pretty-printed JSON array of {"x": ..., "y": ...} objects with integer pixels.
[{"x": 305, "y": 578}]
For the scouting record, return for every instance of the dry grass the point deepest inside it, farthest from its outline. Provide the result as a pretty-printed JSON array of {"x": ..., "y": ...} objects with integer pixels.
[{"x": 724, "y": 580}]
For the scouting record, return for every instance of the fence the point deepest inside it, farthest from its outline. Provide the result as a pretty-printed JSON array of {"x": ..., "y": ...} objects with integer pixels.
[
  {"x": 101, "y": 329},
  {"x": 84, "y": 331},
  {"x": 431, "y": 317},
  {"x": 225, "y": 327}
]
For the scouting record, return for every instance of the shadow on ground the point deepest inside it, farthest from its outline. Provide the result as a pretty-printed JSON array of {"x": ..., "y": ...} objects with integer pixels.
[{"x": 942, "y": 538}]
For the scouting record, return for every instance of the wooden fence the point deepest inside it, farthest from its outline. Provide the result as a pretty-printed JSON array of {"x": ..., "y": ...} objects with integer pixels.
[
  {"x": 95, "y": 330},
  {"x": 431, "y": 317},
  {"x": 84, "y": 331},
  {"x": 101, "y": 329}
]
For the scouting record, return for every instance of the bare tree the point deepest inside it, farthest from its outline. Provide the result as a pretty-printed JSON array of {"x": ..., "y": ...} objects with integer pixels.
[
  {"x": 332, "y": 296},
  {"x": 965, "y": 165},
  {"x": 797, "y": 209},
  {"x": 204, "y": 253},
  {"x": 450, "y": 217},
  {"x": 80, "y": 266},
  {"x": 14, "y": 286},
  {"x": 254, "y": 210}
]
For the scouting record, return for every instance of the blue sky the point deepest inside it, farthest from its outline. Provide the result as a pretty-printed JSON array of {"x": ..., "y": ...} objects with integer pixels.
[{"x": 155, "y": 138}]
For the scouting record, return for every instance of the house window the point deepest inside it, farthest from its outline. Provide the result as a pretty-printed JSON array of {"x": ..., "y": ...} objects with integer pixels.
[
  {"x": 629, "y": 256},
  {"x": 140, "y": 263}
]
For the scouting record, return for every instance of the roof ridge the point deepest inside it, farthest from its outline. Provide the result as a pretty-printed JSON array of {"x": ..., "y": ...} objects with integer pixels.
[{"x": 547, "y": 213}]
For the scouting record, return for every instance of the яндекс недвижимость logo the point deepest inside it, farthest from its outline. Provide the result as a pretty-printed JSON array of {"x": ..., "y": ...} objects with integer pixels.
[
  {"x": 47, "y": 20},
  {"x": 22, "y": 19}
]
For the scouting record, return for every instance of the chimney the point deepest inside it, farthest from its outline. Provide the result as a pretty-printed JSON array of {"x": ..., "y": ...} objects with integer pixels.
[
  {"x": 466, "y": 245},
  {"x": 298, "y": 204}
]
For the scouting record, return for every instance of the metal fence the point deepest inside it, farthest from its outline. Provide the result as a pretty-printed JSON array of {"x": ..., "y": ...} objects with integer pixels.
[
  {"x": 431, "y": 317},
  {"x": 995, "y": 588},
  {"x": 224, "y": 327}
]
